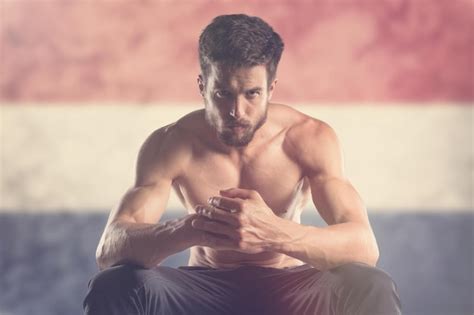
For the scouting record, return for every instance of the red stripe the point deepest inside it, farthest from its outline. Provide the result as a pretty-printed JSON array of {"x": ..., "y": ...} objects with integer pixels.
[{"x": 377, "y": 51}]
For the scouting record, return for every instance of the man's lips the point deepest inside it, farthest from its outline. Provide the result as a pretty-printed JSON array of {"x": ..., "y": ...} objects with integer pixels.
[
  {"x": 237, "y": 127},
  {"x": 232, "y": 126}
]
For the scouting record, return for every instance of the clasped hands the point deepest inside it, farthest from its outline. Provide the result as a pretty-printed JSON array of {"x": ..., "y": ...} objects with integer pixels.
[{"x": 238, "y": 219}]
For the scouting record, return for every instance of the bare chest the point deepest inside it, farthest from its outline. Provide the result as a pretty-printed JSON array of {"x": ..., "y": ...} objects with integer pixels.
[{"x": 277, "y": 178}]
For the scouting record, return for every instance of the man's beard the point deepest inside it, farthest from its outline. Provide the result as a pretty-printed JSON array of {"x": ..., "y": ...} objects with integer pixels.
[{"x": 241, "y": 138}]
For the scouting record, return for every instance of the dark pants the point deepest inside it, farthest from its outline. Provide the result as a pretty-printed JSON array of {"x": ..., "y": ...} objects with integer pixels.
[{"x": 352, "y": 289}]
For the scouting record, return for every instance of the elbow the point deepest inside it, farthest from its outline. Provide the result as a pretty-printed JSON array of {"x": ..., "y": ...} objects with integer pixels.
[
  {"x": 101, "y": 264},
  {"x": 372, "y": 251},
  {"x": 107, "y": 252},
  {"x": 104, "y": 261},
  {"x": 373, "y": 256},
  {"x": 100, "y": 258},
  {"x": 369, "y": 248},
  {"x": 103, "y": 256}
]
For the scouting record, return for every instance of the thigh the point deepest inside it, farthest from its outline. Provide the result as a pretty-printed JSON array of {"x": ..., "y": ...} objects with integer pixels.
[
  {"x": 353, "y": 288},
  {"x": 364, "y": 289},
  {"x": 302, "y": 290},
  {"x": 161, "y": 290}
]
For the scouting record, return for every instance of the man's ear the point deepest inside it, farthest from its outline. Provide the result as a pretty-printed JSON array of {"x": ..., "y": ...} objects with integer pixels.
[
  {"x": 271, "y": 88},
  {"x": 200, "y": 82}
]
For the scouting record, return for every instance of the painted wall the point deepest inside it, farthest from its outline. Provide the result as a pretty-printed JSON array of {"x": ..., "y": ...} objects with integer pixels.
[
  {"x": 399, "y": 157},
  {"x": 82, "y": 83},
  {"x": 146, "y": 51},
  {"x": 393, "y": 78}
]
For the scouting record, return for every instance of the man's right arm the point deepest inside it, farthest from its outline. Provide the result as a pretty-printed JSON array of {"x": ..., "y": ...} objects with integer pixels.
[{"x": 132, "y": 233}]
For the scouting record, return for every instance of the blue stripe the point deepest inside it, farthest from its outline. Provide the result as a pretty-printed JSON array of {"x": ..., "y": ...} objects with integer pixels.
[{"x": 47, "y": 259}]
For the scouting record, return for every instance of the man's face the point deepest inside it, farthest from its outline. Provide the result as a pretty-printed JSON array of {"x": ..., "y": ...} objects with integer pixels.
[{"x": 236, "y": 101}]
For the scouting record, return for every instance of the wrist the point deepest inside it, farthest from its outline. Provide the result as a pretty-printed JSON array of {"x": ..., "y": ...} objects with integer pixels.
[
  {"x": 181, "y": 232},
  {"x": 190, "y": 235},
  {"x": 281, "y": 240}
]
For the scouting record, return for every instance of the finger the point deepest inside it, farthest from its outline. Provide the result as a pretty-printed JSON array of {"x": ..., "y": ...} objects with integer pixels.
[
  {"x": 215, "y": 227},
  {"x": 225, "y": 203},
  {"x": 238, "y": 193},
  {"x": 217, "y": 214}
]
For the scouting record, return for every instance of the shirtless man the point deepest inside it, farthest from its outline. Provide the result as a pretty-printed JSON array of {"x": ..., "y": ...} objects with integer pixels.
[{"x": 244, "y": 169}]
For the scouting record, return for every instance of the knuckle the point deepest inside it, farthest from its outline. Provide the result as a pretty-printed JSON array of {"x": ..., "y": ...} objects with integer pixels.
[
  {"x": 240, "y": 234},
  {"x": 239, "y": 217},
  {"x": 215, "y": 201},
  {"x": 241, "y": 244}
]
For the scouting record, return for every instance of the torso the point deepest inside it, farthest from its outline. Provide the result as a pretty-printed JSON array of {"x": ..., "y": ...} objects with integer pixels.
[{"x": 268, "y": 168}]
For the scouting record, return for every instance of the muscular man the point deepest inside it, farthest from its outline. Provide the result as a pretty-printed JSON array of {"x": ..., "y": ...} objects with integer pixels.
[{"x": 244, "y": 168}]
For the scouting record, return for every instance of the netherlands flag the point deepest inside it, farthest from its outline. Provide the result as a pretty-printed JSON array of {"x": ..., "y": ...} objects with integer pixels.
[{"x": 82, "y": 85}]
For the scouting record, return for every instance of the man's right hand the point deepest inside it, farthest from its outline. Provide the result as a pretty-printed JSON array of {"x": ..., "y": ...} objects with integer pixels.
[
  {"x": 188, "y": 236},
  {"x": 184, "y": 234}
]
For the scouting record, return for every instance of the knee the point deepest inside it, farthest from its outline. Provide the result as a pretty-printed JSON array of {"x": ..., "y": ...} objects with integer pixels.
[
  {"x": 118, "y": 277},
  {"x": 115, "y": 288},
  {"x": 364, "y": 289},
  {"x": 363, "y": 278}
]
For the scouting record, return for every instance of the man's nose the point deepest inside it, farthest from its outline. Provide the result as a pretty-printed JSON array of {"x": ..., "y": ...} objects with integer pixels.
[{"x": 238, "y": 108}]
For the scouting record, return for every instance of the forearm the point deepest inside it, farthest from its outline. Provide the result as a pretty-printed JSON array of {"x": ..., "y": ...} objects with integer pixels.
[
  {"x": 328, "y": 247},
  {"x": 141, "y": 243}
]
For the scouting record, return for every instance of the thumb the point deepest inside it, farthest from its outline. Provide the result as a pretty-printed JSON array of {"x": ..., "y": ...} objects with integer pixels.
[
  {"x": 236, "y": 193},
  {"x": 229, "y": 192}
]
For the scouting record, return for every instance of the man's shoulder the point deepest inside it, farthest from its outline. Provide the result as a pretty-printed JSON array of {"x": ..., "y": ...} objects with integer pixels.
[
  {"x": 308, "y": 139},
  {"x": 180, "y": 132},
  {"x": 301, "y": 128},
  {"x": 173, "y": 141},
  {"x": 167, "y": 150}
]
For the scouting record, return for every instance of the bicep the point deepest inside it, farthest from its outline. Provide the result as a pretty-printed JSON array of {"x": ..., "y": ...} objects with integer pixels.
[
  {"x": 144, "y": 204},
  {"x": 336, "y": 200},
  {"x": 333, "y": 195},
  {"x": 157, "y": 166}
]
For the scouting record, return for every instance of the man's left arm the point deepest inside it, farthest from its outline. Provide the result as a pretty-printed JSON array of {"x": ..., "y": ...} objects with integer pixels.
[{"x": 348, "y": 236}]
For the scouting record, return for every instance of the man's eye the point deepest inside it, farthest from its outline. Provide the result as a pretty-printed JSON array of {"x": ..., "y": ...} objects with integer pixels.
[
  {"x": 222, "y": 94},
  {"x": 253, "y": 94}
]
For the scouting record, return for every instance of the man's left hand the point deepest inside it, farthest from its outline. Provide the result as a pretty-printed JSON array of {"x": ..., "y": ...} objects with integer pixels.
[{"x": 242, "y": 217}]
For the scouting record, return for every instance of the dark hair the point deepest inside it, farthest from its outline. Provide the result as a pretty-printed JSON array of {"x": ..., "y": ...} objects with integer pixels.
[{"x": 240, "y": 40}]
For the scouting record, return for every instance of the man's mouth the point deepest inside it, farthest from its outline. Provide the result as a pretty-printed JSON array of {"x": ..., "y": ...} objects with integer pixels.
[{"x": 237, "y": 127}]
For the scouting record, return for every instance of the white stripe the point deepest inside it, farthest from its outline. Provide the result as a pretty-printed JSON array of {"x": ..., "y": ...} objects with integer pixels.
[{"x": 401, "y": 157}]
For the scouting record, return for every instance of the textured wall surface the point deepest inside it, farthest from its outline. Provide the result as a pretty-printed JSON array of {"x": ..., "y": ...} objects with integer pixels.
[
  {"x": 399, "y": 158},
  {"x": 45, "y": 269},
  {"x": 393, "y": 77},
  {"x": 142, "y": 51}
]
